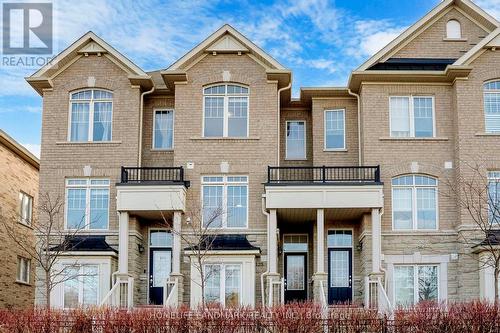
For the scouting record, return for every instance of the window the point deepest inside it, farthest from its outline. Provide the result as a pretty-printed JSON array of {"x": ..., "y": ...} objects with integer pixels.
[
  {"x": 225, "y": 111},
  {"x": 295, "y": 140},
  {"x": 23, "y": 270},
  {"x": 25, "y": 208},
  {"x": 416, "y": 283},
  {"x": 225, "y": 201},
  {"x": 81, "y": 285},
  {"x": 453, "y": 30},
  {"x": 494, "y": 197},
  {"x": 414, "y": 203},
  {"x": 412, "y": 116},
  {"x": 163, "y": 132},
  {"x": 492, "y": 106},
  {"x": 87, "y": 203},
  {"x": 334, "y": 129},
  {"x": 223, "y": 284},
  {"x": 91, "y": 115},
  {"x": 339, "y": 238}
]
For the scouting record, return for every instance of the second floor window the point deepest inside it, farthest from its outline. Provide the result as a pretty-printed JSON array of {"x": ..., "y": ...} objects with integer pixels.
[
  {"x": 23, "y": 269},
  {"x": 163, "y": 132},
  {"x": 225, "y": 201},
  {"x": 91, "y": 115},
  {"x": 494, "y": 197},
  {"x": 334, "y": 129},
  {"x": 295, "y": 140},
  {"x": 414, "y": 203},
  {"x": 26, "y": 208},
  {"x": 225, "y": 111},
  {"x": 412, "y": 116},
  {"x": 87, "y": 203},
  {"x": 492, "y": 106}
]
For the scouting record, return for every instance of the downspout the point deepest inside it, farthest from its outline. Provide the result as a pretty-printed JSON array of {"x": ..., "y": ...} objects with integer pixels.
[
  {"x": 141, "y": 111},
  {"x": 279, "y": 120},
  {"x": 266, "y": 273},
  {"x": 359, "y": 123}
]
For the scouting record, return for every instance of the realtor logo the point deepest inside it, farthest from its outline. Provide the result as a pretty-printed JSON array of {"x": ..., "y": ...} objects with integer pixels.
[{"x": 27, "y": 28}]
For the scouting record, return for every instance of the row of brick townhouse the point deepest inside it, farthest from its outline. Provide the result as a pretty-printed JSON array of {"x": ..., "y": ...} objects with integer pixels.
[{"x": 334, "y": 196}]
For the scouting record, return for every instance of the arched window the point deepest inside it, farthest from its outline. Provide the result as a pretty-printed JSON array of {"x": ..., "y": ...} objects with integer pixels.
[
  {"x": 225, "y": 111},
  {"x": 453, "y": 30},
  {"x": 90, "y": 115},
  {"x": 414, "y": 202},
  {"x": 492, "y": 106}
]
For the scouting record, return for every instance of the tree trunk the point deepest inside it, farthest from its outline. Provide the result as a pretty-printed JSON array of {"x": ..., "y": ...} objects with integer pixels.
[
  {"x": 497, "y": 271},
  {"x": 47, "y": 289}
]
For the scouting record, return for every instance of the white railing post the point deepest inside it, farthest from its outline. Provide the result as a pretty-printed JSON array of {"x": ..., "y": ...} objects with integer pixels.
[
  {"x": 367, "y": 292},
  {"x": 271, "y": 296},
  {"x": 282, "y": 291}
]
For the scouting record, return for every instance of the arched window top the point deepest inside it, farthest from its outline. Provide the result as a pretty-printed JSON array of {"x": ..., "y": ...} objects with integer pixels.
[
  {"x": 89, "y": 94},
  {"x": 453, "y": 30},
  {"x": 492, "y": 85},
  {"x": 414, "y": 180},
  {"x": 226, "y": 89}
]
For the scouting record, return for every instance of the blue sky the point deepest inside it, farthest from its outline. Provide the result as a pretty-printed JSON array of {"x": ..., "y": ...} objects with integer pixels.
[{"x": 321, "y": 41}]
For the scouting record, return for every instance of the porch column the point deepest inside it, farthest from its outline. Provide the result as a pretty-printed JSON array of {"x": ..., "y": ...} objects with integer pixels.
[
  {"x": 376, "y": 240},
  {"x": 272, "y": 251},
  {"x": 123, "y": 243},
  {"x": 176, "y": 246},
  {"x": 320, "y": 249}
]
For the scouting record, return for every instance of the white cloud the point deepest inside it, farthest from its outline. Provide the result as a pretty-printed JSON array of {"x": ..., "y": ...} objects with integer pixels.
[
  {"x": 490, "y": 6},
  {"x": 33, "y": 148},
  {"x": 17, "y": 108}
]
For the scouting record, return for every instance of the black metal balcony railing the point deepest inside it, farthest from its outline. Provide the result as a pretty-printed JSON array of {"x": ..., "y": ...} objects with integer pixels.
[
  {"x": 153, "y": 175},
  {"x": 323, "y": 175}
]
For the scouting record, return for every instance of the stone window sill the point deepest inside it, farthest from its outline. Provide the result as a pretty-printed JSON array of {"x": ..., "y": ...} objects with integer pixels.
[
  {"x": 23, "y": 283},
  {"x": 487, "y": 134},
  {"x": 335, "y": 150},
  {"x": 226, "y": 139},
  {"x": 454, "y": 39},
  {"x": 414, "y": 139},
  {"x": 88, "y": 143}
]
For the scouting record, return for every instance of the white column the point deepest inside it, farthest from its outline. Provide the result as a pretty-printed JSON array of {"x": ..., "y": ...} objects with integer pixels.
[
  {"x": 320, "y": 250},
  {"x": 176, "y": 246},
  {"x": 272, "y": 251},
  {"x": 123, "y": 243},
  {"x": 376, "y": 240}
]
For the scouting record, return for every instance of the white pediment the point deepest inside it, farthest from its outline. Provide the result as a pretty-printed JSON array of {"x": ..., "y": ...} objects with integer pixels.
[
  {"x": 92, "y": 48},
  {"x": 495, "y": 42},
  {"x": 227, "y": 44}
]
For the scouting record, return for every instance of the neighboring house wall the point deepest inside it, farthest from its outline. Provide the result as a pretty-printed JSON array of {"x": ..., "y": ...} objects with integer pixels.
[{"x": 16, "y": 175}]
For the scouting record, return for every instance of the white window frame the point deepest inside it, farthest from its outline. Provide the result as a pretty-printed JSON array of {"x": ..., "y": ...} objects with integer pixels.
[
  {"x": 325, "y": 134},
  {"x": 27, "y": 268},
  {"x": 87, "y": 186},
  {"x": 24, "y": 196},
  {"x": 225, "y": 183},
  {"x": 222, "y": 281},
  {"x": 449, "y": 29},
  {"x": 489, "y": 92},
  {"x": 80, "y": 282},
  {"x": 154, "y": 131},
  {"x": 305, "y": 141},
  {"x": 493, "y": 176},
  {"x": 411, "y": 115},
  {"x": 415, "y": 280},
  {"x": 414, "y": 202},
  {"x": 91, "y": 102},
  {"x": 226, "y": 96}
]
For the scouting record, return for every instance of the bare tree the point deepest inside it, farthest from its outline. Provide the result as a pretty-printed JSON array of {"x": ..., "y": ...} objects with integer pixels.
[
  {"x": 47, "y": 243},
  {"x": 479, "y": 197}
]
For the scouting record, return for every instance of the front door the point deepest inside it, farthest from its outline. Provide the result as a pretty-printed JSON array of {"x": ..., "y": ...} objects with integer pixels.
[
  {"x": 295, "y": 277},
  {"x": 160, "y": 266},
  {"x": 340, "y": 275}
]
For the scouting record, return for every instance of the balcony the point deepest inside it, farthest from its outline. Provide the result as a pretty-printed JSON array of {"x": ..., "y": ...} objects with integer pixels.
[
  {"x": 149, "y": 191},
  {"x": 323, "y": 175}
]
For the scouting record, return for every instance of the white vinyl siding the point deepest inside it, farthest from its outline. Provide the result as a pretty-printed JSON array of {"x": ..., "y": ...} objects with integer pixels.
[
  {"x": 87, "y": 203},
  {"x": 225, "y": 111},
  {"x": 415, "y": 283},
  {"x": 414, "y": 203},
  {"x": 335, "y": 129},
  {"x": 412, "y": 116},
  {"x": 91, "y": 113},
  {"x": 492, "y": 106},
  {"x": 295, "y": 140},
  {"x": 163, "y": 131}
]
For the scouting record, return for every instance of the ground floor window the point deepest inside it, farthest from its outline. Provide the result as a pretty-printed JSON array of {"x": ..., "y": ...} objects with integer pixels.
[
  {"x": 81, "y": 285},
  {"x": 23, "y": 270},
  {"x": 223, "y": 284},
  {"x": 415, "y": 283}
]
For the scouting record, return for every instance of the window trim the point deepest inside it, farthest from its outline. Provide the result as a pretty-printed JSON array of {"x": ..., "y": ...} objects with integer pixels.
[
  {"x": 90, "y": 133},
  {"x": 20, "y": 259},
  {"x": 414, "y": 202},
  {"x": 411, "y": 115},
  {"x": 222, "y": 279},
  {"x": 153, "y": 127},
  {"x": 485, "y": 92},
  {"x": 491, "y": 179},
  {"x": 224, "y": 185},
  {"x": 80, "y": 284},
  {"x": 21, "y": 219},
  {"x": 87, "y": 187},
  {"x": 324, "y": 130},
  {"x": 415, "y": 280},
  {"x": 305, "y": 141},
  {"x": 447, "y": 30},
  {"x": 225, "y": 126}
]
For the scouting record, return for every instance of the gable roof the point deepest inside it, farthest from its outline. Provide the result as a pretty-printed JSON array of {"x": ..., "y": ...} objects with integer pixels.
[
  {"x": 409, "y": 34},
  {"x": 89, "y": 43},
  {"x": 19, "y": 150},
  {"x": 490, "y": 41}
]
